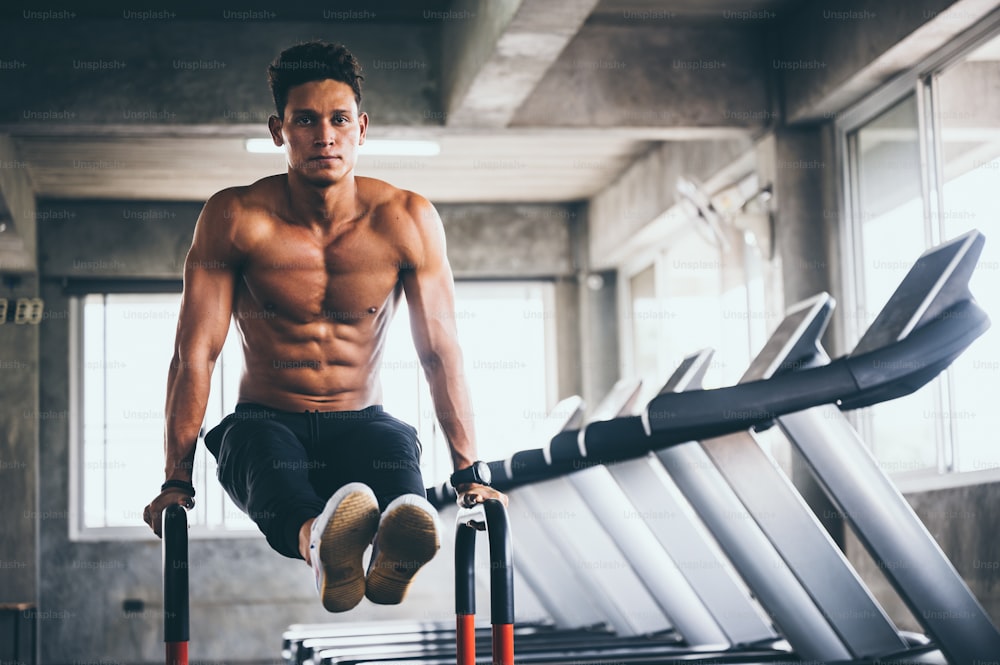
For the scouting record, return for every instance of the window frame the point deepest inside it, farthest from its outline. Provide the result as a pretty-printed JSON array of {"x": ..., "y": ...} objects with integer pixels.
[
  {"x": 920, "y": 81},
  {"x": 78, "y": 531}
]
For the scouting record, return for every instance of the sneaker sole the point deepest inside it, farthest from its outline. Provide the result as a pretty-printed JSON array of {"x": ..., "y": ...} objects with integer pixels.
[
  {"x": 342, "y": 547},
  {"x": 407, "y": 540}
]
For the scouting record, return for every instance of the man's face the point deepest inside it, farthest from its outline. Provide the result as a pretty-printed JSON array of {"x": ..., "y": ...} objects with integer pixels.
[{"x": 321, "y": 130}]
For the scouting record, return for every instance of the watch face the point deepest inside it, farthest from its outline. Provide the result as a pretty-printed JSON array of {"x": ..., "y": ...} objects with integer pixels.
[
  {"x": 484, "y": 473},
  {"x": 479, "y": 473}
]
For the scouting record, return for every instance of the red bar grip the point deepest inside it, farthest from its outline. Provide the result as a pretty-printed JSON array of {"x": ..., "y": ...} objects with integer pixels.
[
  {"x": 503, "y": 644},
  {"x": 465, "y": 626},
  {"x": 177, "y": 653}
]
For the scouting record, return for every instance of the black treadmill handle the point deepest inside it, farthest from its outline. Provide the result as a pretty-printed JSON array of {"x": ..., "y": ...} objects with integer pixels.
[
  {"x": 852, "y": 381},
  {"x": 702, "y": 414},
  {"x": 911, "y": 363}
]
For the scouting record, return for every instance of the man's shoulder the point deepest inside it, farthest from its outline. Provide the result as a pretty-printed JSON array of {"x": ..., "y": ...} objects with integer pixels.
[
  {"x": 381, "y": 193},
  {"x": 239, "y": 217},
  {"x": 241, "y": 208},
  {"x": 245, "y": 198},
  {"x": 394, "y": 202},
  {"x": 406, "y": 218}
]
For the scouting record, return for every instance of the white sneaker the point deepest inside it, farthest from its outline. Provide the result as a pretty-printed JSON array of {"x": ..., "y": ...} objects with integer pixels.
[
  {"x": 407, "y": 539},
  {"x": 337, "y": 543}
]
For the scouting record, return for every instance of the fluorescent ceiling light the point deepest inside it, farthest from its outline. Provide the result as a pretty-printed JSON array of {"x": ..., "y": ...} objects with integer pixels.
[{"x": 403, "y": 148}]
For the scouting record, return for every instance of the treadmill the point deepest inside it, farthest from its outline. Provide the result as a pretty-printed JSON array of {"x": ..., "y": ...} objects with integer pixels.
[
  {"x": 928, "y": 321},
  {"x": 931, "y": 323}
]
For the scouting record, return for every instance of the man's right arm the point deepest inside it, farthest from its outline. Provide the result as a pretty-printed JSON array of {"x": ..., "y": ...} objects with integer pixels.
[{"x": 210, "y": 273}]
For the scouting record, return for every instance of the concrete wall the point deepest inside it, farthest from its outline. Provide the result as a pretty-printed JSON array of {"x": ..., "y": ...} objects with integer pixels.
[
  {"x": 645, "y": 191},
  {"x": 19, "y": 381},
  {"x": 19, "y": 420},
  {"x": 109, "y": 240},
  {"x": 235, "y": 583}
]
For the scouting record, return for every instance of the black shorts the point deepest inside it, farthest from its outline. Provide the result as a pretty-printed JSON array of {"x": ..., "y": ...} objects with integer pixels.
[{"x": 281, "y": 467}]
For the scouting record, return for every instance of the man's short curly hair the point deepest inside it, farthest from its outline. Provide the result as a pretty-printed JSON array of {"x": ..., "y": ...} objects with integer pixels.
[{"x": 312, "y": 61}]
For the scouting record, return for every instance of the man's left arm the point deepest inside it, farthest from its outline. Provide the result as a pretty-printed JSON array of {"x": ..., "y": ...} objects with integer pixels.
[{"x": 430, "y": 296}]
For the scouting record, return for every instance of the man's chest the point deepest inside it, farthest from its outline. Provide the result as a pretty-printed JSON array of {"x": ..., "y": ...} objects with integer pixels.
[{"x": 305, "y": 277}]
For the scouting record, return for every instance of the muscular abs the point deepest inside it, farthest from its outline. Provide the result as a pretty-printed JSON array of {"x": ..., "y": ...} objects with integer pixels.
[{"x": 313, "y": 313}]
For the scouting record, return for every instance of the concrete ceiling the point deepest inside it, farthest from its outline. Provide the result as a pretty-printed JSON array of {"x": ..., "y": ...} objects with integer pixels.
[
  {"x": 531, "y": 100},
  {"x": 486, "y": 166},
  {"x": 611, "y": 10}
]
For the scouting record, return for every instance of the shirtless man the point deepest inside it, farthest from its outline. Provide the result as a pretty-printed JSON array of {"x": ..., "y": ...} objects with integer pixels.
[{"x": 313, "y": 264}]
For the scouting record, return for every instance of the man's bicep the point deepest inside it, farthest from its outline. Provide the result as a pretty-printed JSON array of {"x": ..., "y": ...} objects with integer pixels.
[
  {"x": 206, "y": 306},
  {"x": 429, "y": 285},
  {"x": 210, "y": 271},
  {"x": 431, "y": 303}
]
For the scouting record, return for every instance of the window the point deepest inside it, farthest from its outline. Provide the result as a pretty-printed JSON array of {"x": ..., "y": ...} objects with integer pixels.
[
  {"x": 890, "y": 209},
  {"x": 507, "y": 338},
  {"x": 923, "y": 166},
  {"x": 968, "y": 96},
  {"x": 125, "y": 342},
  {"x": 696, "y": 293}
]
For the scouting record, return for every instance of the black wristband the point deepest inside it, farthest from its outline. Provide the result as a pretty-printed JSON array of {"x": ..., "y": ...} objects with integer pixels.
[
  {"x": 478, "y": 472},
  {"x": 178, "y": 484}
]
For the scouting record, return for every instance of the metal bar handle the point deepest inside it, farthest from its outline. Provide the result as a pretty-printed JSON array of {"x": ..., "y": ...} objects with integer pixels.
[
  {"x": 490, "y": 516},
  {"x": 175, "y": 584}
]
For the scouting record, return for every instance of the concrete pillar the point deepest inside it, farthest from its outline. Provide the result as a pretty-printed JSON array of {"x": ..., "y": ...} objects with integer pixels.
[
  {"x": 18, "y": 385},
  {"x": 19, "y": 449},
  {"x": 599, "y": 334},
  {"x": 804, "y": 236},
  {"x": 568, "y": 329},
  {"x": 597, "y": 317}
]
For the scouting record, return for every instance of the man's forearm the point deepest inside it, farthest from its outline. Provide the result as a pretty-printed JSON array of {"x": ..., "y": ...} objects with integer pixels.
[
  {"x": 453, "y": 408},
  {"x": 187, "y": 399}
]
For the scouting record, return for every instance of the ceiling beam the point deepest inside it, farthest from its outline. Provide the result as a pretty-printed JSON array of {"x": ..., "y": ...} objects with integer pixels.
[{"x": 496, "y": 53}]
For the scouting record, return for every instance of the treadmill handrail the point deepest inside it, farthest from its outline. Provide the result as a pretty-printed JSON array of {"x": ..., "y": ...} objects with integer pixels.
[{"x": 886, "y": 373}]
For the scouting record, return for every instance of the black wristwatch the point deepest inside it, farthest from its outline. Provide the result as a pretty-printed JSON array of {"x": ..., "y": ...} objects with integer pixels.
[{"x": 478, "y": 473}]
